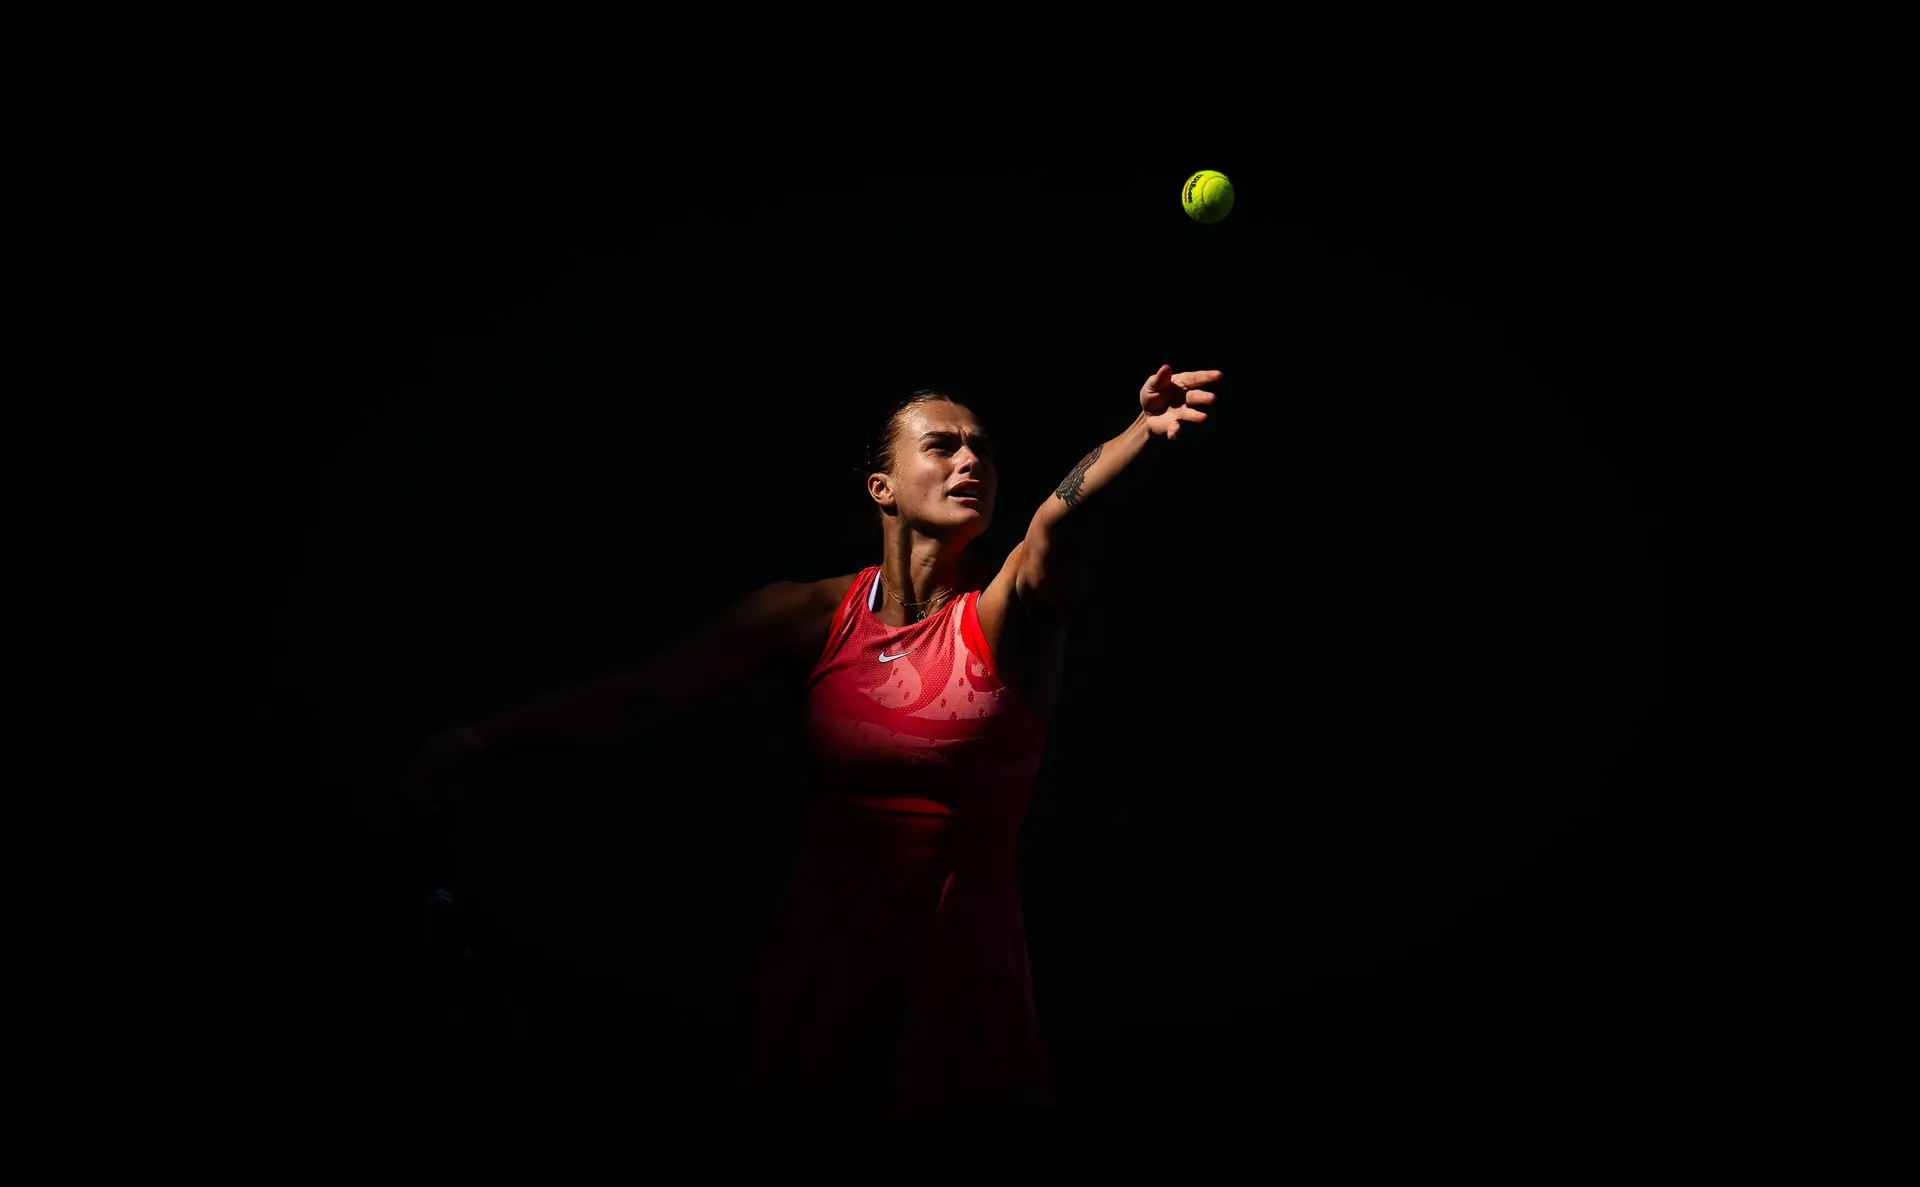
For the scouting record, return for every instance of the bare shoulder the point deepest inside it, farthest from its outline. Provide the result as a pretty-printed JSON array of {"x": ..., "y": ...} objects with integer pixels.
[
  {"x": 787, "y": 599},
  {"x": 1006, "y": 620},
  {"x": 822, "y": 597},
  {"x": 997, "y": 596},
  {"x": 832, "y": 589},
  {"x": 806, "y": 609},
  {"x": 1025, "y": 639}
]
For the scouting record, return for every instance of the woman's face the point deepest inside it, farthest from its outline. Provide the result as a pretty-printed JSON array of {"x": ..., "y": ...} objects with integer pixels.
[{"x": 943, "y": 480}]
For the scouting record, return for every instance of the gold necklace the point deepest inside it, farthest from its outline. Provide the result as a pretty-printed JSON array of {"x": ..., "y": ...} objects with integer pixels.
[{"x": 910, "y": 607}]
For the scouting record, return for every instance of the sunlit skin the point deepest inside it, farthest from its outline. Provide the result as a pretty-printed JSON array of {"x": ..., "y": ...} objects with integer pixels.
[
  {"x": 934, "y": 488},
  {"x": 940, "y": 449},
  {"x": 935, "y": 498},
  {"x": 938, "y": 497}
]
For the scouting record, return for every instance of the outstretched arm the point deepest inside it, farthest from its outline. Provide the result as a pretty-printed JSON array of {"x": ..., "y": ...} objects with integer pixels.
[
  {"x": 772, "y": 624},
  {"x": 1049, "y": 566},
  {"x": 785, "y": 621}
]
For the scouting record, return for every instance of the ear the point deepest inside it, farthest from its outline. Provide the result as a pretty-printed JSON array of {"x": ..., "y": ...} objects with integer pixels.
[{"x": 880, "y": 489}]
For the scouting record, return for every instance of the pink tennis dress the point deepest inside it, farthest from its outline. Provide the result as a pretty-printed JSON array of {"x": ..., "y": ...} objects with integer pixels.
[{"x": 894, "y": 984}]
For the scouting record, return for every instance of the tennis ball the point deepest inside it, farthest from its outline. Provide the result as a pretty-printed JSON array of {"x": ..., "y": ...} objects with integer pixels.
[{"x": 1208, "y": 196}]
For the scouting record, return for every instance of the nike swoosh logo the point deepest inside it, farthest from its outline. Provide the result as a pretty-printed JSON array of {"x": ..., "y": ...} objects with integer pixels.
[{"x": 887, "y": 659}]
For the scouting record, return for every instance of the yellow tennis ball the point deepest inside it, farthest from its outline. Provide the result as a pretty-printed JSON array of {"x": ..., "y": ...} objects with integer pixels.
[{"x": 1208, "y": 196}]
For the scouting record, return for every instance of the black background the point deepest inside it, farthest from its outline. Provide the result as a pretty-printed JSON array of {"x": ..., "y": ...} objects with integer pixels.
[{"x": 1451, "y": 743}]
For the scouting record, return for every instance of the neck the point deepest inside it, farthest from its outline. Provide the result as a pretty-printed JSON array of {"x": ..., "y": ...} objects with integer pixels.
[{"x": 918, "y": 577}]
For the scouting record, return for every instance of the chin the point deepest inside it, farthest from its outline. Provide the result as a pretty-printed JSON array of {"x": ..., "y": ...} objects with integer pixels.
[{"x": 966, "y": 526}]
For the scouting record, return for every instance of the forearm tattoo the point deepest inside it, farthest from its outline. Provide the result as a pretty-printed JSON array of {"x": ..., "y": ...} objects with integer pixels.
[{"x": 1069, "y": 488}]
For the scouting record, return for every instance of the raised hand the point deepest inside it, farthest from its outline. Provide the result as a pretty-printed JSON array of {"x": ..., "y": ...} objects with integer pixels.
[{"x": 1171, "y": 400}]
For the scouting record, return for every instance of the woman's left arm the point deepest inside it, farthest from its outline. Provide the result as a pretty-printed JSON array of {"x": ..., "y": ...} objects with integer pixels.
[{"x": 1048, "y": 568}]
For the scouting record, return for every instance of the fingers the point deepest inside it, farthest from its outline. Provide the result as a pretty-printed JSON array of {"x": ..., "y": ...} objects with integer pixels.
[
  {"x": 1193, "y": 379},
  {"x": 1189, "y": 384},
  {"x": 1169, "y": 423}
]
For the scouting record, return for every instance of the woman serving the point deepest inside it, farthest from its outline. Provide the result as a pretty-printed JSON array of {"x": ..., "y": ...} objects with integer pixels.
[{"x": 894, "y": 984}]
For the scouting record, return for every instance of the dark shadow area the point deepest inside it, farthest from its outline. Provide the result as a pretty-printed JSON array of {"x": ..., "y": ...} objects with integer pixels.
[{"x": 1452, "y": 743}]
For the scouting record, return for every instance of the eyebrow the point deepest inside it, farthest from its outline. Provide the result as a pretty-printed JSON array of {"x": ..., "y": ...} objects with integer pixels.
[{"x": 932, "y": 434}]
